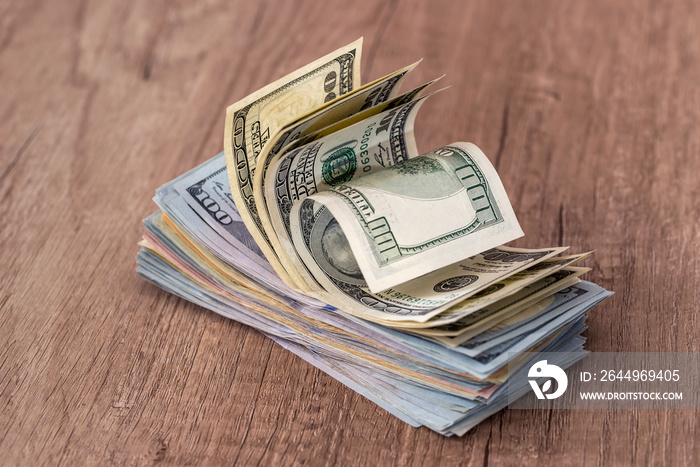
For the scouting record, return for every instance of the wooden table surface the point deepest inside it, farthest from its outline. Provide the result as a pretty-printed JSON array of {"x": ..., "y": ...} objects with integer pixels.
[{"x": 590, "y": 111}]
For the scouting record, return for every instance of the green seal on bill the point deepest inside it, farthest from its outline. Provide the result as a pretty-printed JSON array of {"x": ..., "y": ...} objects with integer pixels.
[{"x": 339, "y": 167}]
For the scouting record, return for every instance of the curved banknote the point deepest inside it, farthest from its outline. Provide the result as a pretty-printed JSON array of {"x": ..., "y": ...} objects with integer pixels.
[
  {"x": 370, "y": 96},
  {"x": 470, "y": 326},
  {"x": 251, "y": 121},
  {"x": 418, "y": 300},
  {"x": 406, "y": 221},
  {"x": 370, "y": 145},
  {"x": 494, "y": 292}
]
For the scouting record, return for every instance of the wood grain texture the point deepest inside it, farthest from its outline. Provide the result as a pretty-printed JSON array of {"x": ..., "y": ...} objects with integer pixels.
[{"x": 590, "y": 111}]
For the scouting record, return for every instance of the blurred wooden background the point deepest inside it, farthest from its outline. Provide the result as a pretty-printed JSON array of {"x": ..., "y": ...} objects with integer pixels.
[{"x": 589, "y": 109}]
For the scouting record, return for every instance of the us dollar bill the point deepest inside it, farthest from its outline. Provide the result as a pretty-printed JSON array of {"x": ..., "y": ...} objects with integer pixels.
[
  {"x": 494, "y": 292},
  {"x": 415, "y": 301},
  {"x": 461, "y": 331},
  {"x": 251, "y": 121},
  {"x": 357, "y": 101},
  {"x": 370, "y": 145},
  {"x": 414, "y": 217},
  {"x": 341, "y": 109},
  {"x": 207, "y": 191}
]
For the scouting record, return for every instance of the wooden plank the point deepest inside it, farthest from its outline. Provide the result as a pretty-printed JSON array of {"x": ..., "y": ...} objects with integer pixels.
[{"x": 588, "y": 109}]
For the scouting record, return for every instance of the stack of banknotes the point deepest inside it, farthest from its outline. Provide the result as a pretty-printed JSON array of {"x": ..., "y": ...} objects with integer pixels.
[{"x": 323, "y": 227}]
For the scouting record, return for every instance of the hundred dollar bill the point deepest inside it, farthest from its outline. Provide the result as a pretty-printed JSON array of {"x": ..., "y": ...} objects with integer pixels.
[
  {"x": 422, "y": 298},
  {"x": 198, "y": 207},
  {"x": 408, "y": 220},
  {"x": 484, "y": 319},
  {"x": 493, "y": 292},
  {"x": 370, "y": 145},
  {"x": 378, "y": 108},
  {"x": 366, "y": 97},
  {"x": 251, "y": 121},
  {"x": 357, "y": 101},
  {"x": 206, "y": 190}
]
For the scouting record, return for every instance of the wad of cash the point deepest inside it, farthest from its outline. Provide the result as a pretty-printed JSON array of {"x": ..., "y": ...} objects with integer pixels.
[{"x": 322, "y": 226}]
